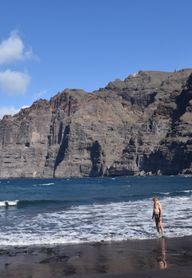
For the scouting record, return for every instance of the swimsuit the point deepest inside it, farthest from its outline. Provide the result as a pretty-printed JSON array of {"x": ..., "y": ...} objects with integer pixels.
[{"x": 157, "y": 216}]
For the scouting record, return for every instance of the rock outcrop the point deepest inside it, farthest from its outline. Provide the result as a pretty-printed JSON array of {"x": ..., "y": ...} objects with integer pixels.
[{"x": 139, "y": 126}]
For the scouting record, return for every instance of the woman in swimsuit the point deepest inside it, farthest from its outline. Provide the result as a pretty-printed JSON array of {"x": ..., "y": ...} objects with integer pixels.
[{"x": 157, "y": 214}]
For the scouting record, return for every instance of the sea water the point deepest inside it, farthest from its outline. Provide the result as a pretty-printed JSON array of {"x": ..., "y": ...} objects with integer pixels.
[{"x": 60, "y": 211}]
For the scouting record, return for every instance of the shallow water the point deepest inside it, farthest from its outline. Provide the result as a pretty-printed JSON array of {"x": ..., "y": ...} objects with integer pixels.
[{"x": 55, "y": 211}]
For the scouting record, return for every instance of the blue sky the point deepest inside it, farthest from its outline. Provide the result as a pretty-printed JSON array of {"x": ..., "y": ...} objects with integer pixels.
[{"x": 46, "y": 46}]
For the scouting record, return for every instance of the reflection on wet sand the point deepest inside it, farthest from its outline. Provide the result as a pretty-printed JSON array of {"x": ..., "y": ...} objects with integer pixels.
[
  {"x": 131, "y": 258},
  {"x": 161, "y": 258}
]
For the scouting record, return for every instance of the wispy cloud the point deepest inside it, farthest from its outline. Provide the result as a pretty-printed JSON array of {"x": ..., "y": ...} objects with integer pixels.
[
  {"x": 8, "y": 111},
  {"x": 14, "y": 82},
  {"x": 13, "y": 49},
  {"x": 40, "y": 94}
]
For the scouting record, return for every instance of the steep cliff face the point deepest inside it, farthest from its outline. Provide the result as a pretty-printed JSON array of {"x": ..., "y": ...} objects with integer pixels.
[{"x": 139, "y": 126}]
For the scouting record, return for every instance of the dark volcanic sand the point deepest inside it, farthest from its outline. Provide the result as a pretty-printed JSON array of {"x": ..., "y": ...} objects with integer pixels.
[{"x": 131, "y": 258}]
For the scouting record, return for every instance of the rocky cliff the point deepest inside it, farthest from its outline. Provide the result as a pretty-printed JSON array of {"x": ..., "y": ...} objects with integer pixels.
[{"x": 139, "y": 126}]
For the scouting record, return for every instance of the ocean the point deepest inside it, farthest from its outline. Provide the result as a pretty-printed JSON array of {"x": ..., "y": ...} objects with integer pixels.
[{"x": 64, "y": 211}]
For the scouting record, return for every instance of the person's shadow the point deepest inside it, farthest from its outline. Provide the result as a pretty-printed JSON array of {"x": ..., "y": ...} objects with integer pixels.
[{"x": 161, "y": 258}]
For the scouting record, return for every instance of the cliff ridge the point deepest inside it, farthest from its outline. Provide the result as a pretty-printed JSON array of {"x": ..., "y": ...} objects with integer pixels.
[{"x": 139, "y": 126}]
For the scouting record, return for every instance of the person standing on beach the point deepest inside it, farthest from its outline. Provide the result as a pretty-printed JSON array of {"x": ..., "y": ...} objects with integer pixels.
[{"x": 157, "y": 215}]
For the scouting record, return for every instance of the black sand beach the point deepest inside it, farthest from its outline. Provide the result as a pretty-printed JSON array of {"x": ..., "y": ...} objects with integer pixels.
[{"x": 162, "y": 257}]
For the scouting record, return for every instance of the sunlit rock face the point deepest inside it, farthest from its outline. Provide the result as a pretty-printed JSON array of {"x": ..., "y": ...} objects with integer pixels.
[{"x": 139, "y": 126}]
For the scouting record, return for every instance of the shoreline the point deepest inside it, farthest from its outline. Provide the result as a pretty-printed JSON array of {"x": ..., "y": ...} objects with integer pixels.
[
  {"x": 147, "y": 174},
  {"x": 130, "y": 258}
]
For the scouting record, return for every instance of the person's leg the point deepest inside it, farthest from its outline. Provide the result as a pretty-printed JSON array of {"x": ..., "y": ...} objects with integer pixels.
[
  {"x": 157, "y": 224},
  {"x": 161, "y": 227}
]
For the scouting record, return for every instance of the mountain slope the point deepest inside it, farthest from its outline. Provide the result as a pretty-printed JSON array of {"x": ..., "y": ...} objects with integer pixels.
[{"x": 138, "y": 126}]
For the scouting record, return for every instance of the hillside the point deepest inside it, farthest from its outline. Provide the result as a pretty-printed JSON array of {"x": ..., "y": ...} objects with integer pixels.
[{"x": 139, "y": 126}]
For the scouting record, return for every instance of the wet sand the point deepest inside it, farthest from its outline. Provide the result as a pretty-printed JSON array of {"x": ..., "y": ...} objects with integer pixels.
[{"x": 162, "y": 257}]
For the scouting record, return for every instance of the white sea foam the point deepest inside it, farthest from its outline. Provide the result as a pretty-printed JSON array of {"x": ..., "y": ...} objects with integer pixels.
[
  {"x": 163, "y": 193},
  {"x": 44, "y": 184},
  {"x": 9, "y": 203},
  {"x": 91, "y": 223},
  {"x": 186, "y": 191}
]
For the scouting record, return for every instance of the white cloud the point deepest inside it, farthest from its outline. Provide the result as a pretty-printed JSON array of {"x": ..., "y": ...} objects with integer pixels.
[
  {"x": 25, "y": 106},
  {"x": 8, "y": 111},
  {"x": 13, "y": 49},
  {"x": 14, "y": 82},
  {"x": 40, "y": 94}
]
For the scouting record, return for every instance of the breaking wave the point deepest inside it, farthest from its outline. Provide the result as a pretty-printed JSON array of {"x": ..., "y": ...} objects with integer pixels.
[
  {"x": 96, "y": 222},
  {"x": 8, "y": 203}
]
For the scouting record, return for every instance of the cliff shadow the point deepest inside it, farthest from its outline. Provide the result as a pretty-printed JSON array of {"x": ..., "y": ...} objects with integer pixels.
[
  {"x": 63, "y": 148},
  {"x": 96, "y": 155},
  {"x": 172, "y": 162}
]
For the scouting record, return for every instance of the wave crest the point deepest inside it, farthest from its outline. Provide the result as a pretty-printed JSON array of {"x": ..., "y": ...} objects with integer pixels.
[{"x": 8, "y": 203}]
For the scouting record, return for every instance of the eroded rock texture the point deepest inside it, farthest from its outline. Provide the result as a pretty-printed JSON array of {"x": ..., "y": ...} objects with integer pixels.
[{"x": 139, "y": 126}]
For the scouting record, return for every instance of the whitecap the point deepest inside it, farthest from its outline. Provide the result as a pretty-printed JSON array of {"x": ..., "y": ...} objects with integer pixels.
[
  {"x": 44, "y": 184},
  {"x": 163, "y": 193},
  {"x": 96, "y": 222},
  {"x": 9, "y": 203}
]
